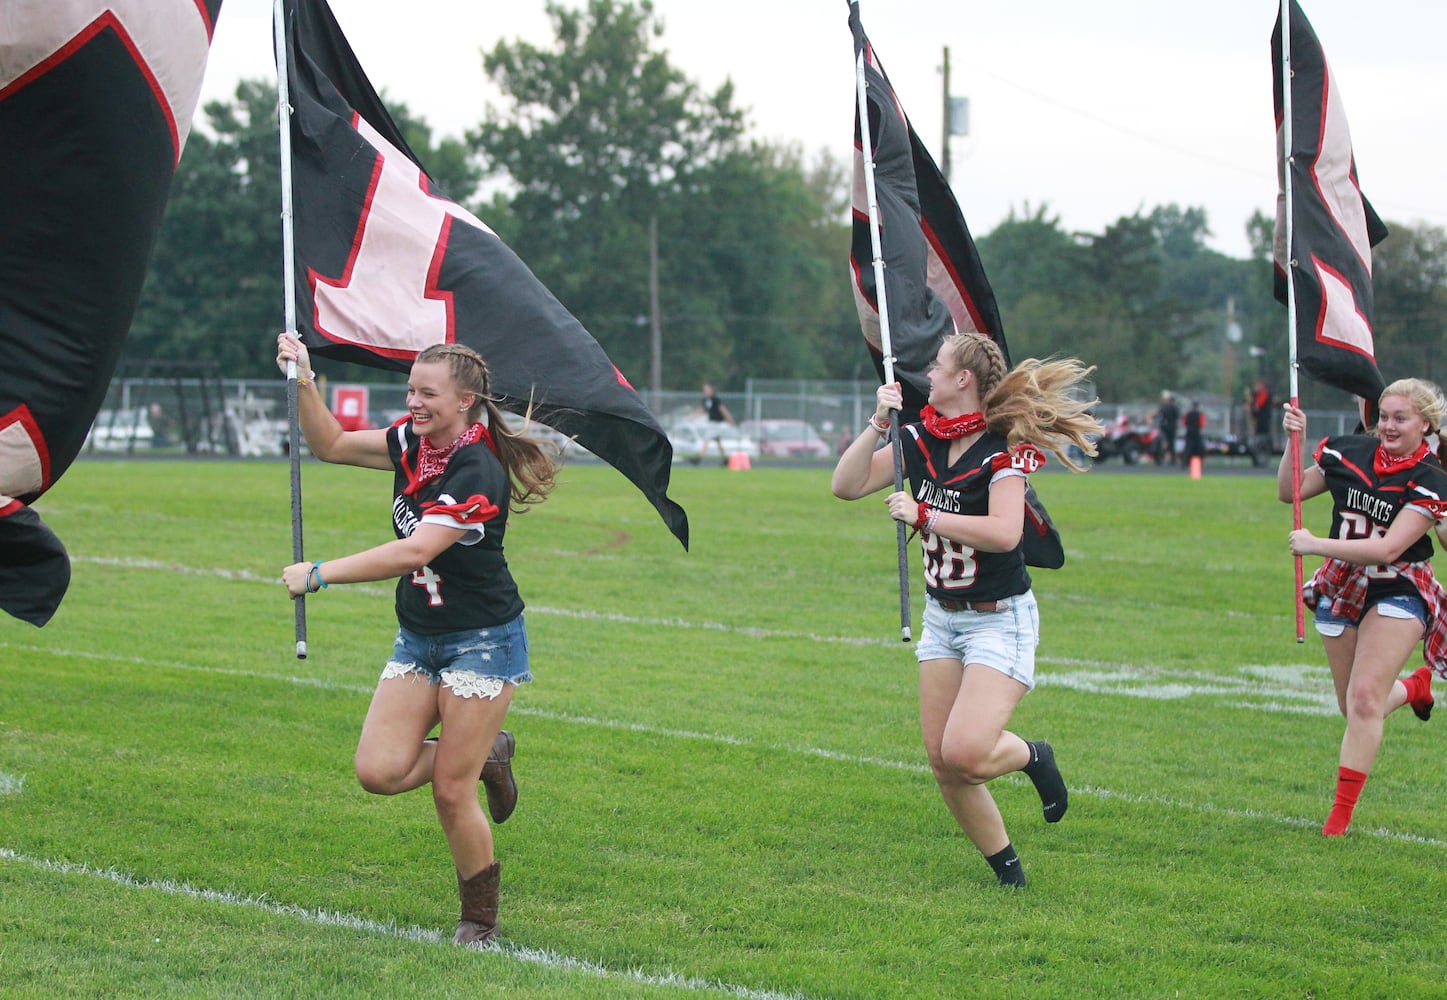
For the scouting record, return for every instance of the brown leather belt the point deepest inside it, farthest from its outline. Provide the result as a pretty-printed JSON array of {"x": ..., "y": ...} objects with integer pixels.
[{"x": 949, "y": 605}]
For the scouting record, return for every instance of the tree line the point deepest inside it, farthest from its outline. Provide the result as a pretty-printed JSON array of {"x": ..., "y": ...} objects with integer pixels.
[{"x": 603, "y": 147}]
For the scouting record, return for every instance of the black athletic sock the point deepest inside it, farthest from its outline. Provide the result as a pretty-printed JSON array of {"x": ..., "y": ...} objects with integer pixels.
[
  {"x": 1007, "y": 867},
  {"x": 1054, "y": 798}
]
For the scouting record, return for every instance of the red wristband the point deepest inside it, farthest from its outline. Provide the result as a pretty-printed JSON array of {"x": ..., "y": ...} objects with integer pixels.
[{"x": 923, "y": 518}]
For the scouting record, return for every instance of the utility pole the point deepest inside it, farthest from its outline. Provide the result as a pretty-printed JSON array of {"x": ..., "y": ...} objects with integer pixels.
[
  {"x": 1233, "y": 337},
  {"x": 945, "y": 104},
  {"x": 655, "y": 321}
]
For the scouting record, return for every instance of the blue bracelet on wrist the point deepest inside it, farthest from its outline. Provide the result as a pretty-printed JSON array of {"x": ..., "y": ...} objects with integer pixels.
[{"x": 316, "y": 571}]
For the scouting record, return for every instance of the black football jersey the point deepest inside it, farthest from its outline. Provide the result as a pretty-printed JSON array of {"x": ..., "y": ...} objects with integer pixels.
[
  {"x": 1364, "y": 503},
  {"x": 952, "y": 570},
  {"x": 469, "y": 584}
]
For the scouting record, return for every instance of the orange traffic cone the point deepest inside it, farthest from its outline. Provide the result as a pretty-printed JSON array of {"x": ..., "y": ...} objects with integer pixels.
[
  {"x": 1196, "y": 466},
  {"x": 739, "y": 460}
]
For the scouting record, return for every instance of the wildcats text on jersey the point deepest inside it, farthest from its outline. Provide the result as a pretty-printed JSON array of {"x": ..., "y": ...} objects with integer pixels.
[
  {"x": 939, "y": 497},
  {"x": 1374, "y": 507},
  {"x": 402, "y": 516}
]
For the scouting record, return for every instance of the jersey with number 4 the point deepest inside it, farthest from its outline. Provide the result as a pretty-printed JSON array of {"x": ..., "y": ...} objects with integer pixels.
[
  {"x": 953, "y": 570},
  {"x": 1364, "y": 504},
  {"x": 468, "y": 585}
]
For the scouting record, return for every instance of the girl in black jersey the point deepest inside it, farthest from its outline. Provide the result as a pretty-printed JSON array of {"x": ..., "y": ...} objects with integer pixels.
[
  {"x": 967, "y": 461},
  {"x": 1375, "y": 596},
  {"x": 461, "y": 647}
]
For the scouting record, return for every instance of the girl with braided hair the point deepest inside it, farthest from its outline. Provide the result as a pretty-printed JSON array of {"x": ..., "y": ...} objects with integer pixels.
[
  {"x": 1375, "y": 596},
  {"x": 461, "y": 647},
  {"x": 967, "y": 460}
]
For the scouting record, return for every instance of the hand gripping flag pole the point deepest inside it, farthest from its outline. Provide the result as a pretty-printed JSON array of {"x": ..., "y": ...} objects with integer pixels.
[
  {"x": 1294, "y": 445},
  {"x": 885, "y": 346},
  {"x": 288, "y": 280}
]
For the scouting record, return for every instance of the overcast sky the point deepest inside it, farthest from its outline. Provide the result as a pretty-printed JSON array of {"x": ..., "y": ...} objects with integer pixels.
[{"x": 1094, "y": 109}]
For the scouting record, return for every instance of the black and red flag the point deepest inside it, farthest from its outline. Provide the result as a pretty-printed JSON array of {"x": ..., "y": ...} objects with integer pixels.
[
  {"x": 1333, "y": 227},
  {"x": 387, "y": 265},
  {"x": 96, "y": 100},
  {"x": 935, "y": 284}
]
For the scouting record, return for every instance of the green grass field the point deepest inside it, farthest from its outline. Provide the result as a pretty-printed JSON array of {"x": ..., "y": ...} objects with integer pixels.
[{"x": 723, "y": 791}]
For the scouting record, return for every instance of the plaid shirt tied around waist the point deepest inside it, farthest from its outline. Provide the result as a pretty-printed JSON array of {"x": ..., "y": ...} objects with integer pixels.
[{"x": 1346, "y": 584}]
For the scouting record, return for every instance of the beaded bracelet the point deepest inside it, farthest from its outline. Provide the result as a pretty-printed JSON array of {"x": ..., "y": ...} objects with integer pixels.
[{"x": 929, "y": 521}]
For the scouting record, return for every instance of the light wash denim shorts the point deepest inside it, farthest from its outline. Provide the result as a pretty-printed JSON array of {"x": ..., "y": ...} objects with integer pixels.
[
  {"x": 1003, "y": 639},
  {"x": 472, "y": 663},
  {"x": 1401, "y": 606}
]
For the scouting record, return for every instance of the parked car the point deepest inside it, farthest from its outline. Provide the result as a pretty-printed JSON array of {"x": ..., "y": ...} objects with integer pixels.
[
  {"x": 120, "y": 430},
  {"x": 689, "y": 438},
  {"x": 786, "y": 438}
]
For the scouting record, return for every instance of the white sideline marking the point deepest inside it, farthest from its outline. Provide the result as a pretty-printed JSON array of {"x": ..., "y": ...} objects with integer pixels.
[
  {"x": 426, "y": 935},
  {"x": 11, "y": 784},
  {"x": 727, "y": 740}
]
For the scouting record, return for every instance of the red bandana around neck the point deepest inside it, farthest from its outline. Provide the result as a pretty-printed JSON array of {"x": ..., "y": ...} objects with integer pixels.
[
  {"x": 1384, "y": 464},
  {"x": 946, "y": 428},
  {"x": 432, "y": 462}
]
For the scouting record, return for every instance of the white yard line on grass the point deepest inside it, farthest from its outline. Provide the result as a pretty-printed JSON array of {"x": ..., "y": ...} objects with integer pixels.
[
  {"x": 328, "y": 918},
  {"x": 1125, "y": 675}
]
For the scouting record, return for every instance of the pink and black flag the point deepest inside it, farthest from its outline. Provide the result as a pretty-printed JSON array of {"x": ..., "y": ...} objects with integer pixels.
[
  {"x": 1333, "y": 226},
  {"x": 387, "y": 265},
  {"x": 935, "y": 284},
  {"x": 96, "y": 100}
]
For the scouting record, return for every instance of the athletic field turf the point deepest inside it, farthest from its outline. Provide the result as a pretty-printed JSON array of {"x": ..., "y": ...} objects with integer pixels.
[{"x": 722, "y": 788}]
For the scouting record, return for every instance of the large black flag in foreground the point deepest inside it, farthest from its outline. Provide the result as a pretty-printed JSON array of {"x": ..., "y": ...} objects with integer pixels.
[
  {"x": 1333, "y": 226},
  {"x": 935, "y": 285},
  {"x": 96, "y": 99},
  {"x": 388, "y": 265}
]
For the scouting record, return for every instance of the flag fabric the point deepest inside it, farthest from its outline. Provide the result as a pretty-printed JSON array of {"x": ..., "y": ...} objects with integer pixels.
[
  {"x": 1333, "y": 226},
  {"x": 96, "y": 100},
  {"x": 388, "y": 265},
  {"x": 935, "y": 284}
]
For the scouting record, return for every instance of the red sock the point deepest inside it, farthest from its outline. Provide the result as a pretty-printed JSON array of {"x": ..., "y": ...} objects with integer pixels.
[
  {"x": 1348, "y": 787},
  {"x": 1419, "y": 692}
]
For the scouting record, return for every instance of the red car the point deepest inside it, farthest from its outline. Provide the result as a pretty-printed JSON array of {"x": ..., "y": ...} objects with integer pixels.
[{"x": 786, "y": 438}]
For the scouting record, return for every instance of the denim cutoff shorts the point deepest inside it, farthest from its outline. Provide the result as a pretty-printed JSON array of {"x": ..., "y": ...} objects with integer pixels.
[
  {"x": 1401, "y": 606},
  {"x": 472, "y": 663},
  {"x": 1003, "y": 639}
]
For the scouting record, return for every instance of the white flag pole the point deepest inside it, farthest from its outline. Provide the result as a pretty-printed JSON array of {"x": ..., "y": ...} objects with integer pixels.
[
  {"x": 288, "y": 282},
  {"x": 1290, "y": 268},
  {"x": 886, "y": 348}
]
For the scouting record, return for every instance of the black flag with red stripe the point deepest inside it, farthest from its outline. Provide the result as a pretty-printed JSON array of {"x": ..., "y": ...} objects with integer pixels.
[
  {"x": 1333, "y": 226},
  {"x": 387, "y": 265},
  {"x": 96, "y": 101},
  {"x": 935, "y": 284}
]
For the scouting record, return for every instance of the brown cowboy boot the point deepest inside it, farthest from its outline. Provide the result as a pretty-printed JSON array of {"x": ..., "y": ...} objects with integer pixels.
[
  {"x": 497, "y": 779},
  {"x": 478, "y": 924}
]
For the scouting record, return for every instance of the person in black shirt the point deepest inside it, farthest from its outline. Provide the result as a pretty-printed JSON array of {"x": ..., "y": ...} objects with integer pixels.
[
  {"x": 967, "y": 461},
  {"x": 1375, "y": 596},
  {"x": 461, "y": 646},
  {"x": 718, "y": 417}
]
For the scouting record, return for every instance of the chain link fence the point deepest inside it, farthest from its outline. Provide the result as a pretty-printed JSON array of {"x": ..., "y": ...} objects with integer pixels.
[{"x": 248, "y": 418}]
